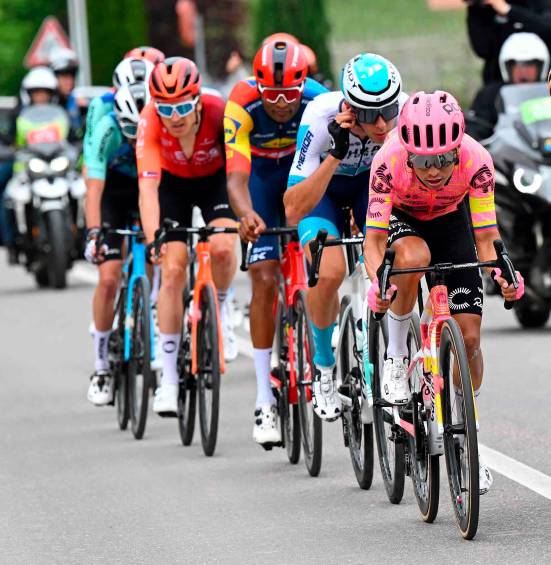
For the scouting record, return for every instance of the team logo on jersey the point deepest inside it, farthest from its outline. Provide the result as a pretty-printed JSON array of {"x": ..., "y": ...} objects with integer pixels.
[
  {"x": 483, "y": 180},
  {"x": 381, "y": 181},
  {"x": 375, "y": 204},
  {"x": 304, "y": 148},
  {"x": 230, "y": 129},
  {"x": 278, "y": 143}
]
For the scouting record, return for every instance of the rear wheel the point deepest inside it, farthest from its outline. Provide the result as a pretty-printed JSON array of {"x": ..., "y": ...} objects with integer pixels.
[
  {"x": 187, "y": 392},
  {"x": 118, "y": 364},
  {"x": 390, "y": 443},
  {"x": 57, "y": 249},
  {"x": 139, "y": 366},
  {"x": 310, "y": 423},
  {"x": 359, "y": 436},
  {"x": 460, "y": 439},
  {"x": 208, "y": 378}
]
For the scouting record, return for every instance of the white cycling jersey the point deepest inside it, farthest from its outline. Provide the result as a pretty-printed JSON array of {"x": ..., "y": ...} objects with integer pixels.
[{"x": 314, "y": 140}]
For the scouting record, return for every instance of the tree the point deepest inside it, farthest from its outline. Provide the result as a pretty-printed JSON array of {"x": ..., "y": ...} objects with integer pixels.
[{"x": 306, "y": 19}]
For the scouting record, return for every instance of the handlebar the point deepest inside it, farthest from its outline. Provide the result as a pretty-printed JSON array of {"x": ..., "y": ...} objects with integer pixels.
[
  {"x": 506, "y": 266},
  {"x": 246, "y": 247}
]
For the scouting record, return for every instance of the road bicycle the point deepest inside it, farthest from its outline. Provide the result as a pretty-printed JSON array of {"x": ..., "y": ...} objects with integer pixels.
[
  {"x": 201, "y": 353},
  {"x": 292, "y": 356},
  {"x": 437, "y": 421}
]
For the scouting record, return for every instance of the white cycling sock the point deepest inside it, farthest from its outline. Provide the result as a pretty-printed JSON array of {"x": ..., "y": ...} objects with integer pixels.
[
  {"x": 101, "y": 343},
  {"x": 155, "y": 284},
  {"x": 264, "y": 394},
  {"x": 170, "y": 344},
  {"x": 398, "y": 327}
]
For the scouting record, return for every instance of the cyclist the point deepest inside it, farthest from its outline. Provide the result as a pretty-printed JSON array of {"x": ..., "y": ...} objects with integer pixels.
[
  {"x": 340, "y": 133},
  {"x": 261, "y": 122},
  {"x": 146, "y": 52},
  {"x": 423, "y": 182},
  {"x": 180, "y": 156},
  {"x": 112, "y": 197}
]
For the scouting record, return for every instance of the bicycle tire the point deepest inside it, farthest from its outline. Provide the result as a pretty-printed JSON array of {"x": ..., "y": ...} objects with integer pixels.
[
  {"x": 119, "y": 366},
  {"x": 390, "y": 446},
  {"x": 310, "y": 422},
  {"x": 187, "y": 391},
  {"x": 451, "y": 339},
  {"x": 358, "y": 436},
  {"x": 140, "y": 375},
  {"x": 208, "y": 378},
  {"x": 424, "y": 468}
]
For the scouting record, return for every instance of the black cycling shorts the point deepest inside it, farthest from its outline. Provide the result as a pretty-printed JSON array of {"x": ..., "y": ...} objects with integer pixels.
[
  {"x": 119, "y": 208},
  {"x": 178, "y": 196},
  {"x": 450, "y": 240}
]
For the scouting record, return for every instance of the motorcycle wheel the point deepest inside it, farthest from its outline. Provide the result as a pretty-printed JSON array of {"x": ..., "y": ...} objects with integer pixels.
[
  {"x": 42, "y": 278},
  {"x": 57, "y": 253},
  {"x": 531, "y": 314}
]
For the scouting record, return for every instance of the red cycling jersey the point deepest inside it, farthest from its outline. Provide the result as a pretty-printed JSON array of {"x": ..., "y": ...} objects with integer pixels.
[{"x": 156, "y": 149}]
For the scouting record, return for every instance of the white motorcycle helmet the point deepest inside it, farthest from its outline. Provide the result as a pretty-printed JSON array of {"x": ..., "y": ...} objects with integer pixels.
[
  {"x": 38, "y": 78},
  {"x": 132, "y": 70},
  {"x": 523, "y": 48},
  {"x": 129, "y": 102}
]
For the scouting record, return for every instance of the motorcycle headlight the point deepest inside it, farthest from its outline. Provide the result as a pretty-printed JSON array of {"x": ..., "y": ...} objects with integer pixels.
[
  {"x": 527, "y": 181},
  {"x": 59, "y": 164},
  {"x": 37, "y": 165}
]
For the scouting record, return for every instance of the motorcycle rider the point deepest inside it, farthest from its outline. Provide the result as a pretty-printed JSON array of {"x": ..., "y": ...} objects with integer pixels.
[{"x": 524, "y": 58}]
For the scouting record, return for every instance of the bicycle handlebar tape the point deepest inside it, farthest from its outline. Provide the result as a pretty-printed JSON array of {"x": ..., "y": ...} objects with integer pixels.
[
  {"x": 246, "y": 247},
  {"x": 507, "y": 268},
  {"x": 383, "y": 276},
  {"x": 316, "y": 250}
]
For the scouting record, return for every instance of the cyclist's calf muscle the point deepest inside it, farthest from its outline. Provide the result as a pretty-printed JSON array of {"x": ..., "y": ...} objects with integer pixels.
[
  {"x": 169, "y": 303},
  {"x": 104, "y": 296},
  {"x": 264, "y": 286}
]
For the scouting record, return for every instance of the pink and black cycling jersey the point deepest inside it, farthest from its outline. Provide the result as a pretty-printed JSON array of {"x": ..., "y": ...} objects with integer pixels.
[{"x": 393, "y": 184}]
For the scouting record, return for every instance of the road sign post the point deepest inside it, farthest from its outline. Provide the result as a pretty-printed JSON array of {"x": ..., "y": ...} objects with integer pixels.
[{"x": 78, "y": 29}]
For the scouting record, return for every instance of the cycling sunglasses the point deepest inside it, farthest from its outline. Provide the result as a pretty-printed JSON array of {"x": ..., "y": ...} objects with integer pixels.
[
  {"x": 129, "y": 130},
  {"x": 182, "y": 109},
  {"x": 428, "y": 161},
  {"x": 371, "y": 115},
  {"x": 273, "y": 94}
]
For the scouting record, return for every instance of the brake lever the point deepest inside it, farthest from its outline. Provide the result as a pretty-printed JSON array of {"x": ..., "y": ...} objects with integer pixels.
[
  {"x": 383, "y": 277},
  {"x": 316, "y": 251},
  {"x": 246, "y": 248},
  {"x": 507, "y": 268}
]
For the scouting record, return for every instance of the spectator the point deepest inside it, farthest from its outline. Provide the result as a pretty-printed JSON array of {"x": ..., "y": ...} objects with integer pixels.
[{"x": 490, "y": 22}]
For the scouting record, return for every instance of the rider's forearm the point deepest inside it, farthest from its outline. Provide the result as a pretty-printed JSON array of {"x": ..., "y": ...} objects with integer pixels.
[
  {"x": 149, "y": 207},
  {"x": 484, "y": 240},
  {"x": 374, "y": 250},
  {"x": 305, "y": 195},
  {"x": 92, "y": 202},
  {"x": 238, "y": 193}
]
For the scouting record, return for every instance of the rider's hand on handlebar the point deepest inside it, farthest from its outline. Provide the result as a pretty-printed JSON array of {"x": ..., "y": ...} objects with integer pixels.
[
  {"x": 251, "y": 226},
  {"x": 91, "y": 253},
  {"x": 151, "y": 256},
  {"x": 374, "y": 299},
  {"x": 509, "y": 292}
]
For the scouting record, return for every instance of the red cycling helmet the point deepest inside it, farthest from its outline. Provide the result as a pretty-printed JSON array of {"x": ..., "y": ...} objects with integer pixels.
[
  {"x": 175, "y": 78},
  {"x": 280, "y": 64},
  {"x": 431, "y": 123},
  {"x": 146, "y": 52},
  {"x": 280, "y": 36}
]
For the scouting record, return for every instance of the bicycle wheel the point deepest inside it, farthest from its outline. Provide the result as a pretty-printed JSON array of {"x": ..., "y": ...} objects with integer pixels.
[
  {"x": 424, "y": 468},
  {"x": 390, "y": 444},
  {"x": 460, "y": 439},
  {"x": 187, "y": 391},
  {"x": 139, "y": 366},
  {"x": 208, "y": 378},
  {"x": 310, "y": 423},
  {"x": 120, "y": 367},
  {"x": 358, "y": 436}
]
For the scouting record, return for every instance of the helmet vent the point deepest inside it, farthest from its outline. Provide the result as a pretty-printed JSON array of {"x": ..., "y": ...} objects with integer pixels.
[
  {"x": 455, "y": 131},
  {"x": 430, "y": 142},
  {"x": 416, "y": 100},
  {"x": 442, "y": 135},
  {"x": 416, "y": 136},
  {"x": 405, "y": 135},
  {"x": 278, "y": 73},
  {"x": 298, "y": 75}
]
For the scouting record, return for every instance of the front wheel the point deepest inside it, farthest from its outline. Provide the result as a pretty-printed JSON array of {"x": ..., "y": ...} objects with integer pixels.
[{"x": 118, "y": 364}]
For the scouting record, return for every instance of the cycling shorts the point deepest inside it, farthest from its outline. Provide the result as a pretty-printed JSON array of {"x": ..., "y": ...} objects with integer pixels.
[
  {"x": 342, "y": 191},
  {"x": 119, "y": 208},
  {"x": 178, "y": 196},
  {"x": 450, "y": 240},
  {"x": 267, "y": 185}
]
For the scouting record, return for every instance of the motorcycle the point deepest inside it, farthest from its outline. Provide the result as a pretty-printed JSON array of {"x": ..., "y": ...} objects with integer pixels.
[
  {"x": 46, "y": 196},
  {"x": 521, "y": 150}
]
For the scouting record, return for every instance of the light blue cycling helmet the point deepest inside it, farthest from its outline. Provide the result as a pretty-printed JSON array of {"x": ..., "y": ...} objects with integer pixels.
[{"x": 370, "y": 81}]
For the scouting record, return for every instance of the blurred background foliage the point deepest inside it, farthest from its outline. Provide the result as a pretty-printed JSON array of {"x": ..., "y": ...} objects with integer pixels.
[{"x": 430, "y": 48}]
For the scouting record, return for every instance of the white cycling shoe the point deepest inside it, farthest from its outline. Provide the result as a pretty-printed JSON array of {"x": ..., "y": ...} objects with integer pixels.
[
  {"x": 100, "y": 391},
  {"x": 325, "y": 398},
  {"x": 165, "y": 402},
  {"x": 265, "y": 430},
  {"x": 230, "y": 342},
  {"x": 395, "y": 383},
  {"x": 485, "y": 479}
]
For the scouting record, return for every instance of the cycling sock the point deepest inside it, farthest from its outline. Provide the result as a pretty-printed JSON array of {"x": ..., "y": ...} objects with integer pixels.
[
  {"x": 398, "y": 327},
  {"x": 101, "y": 343},
  {"x": 264, "y": 394},
  {"x": 170, "y": 344},
  {"x": 222, "y": 295},
  {"x": 323, "y": 355},
  {"x": 155, "y": 284}
]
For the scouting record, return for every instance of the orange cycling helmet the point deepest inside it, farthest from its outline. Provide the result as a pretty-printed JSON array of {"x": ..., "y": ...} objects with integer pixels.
[
  {"x": 280, "y": 64},
  {"x": 280, "y": 36},
  {"x": 175, "y": 78},
  {"x": 146, "y": 52}
]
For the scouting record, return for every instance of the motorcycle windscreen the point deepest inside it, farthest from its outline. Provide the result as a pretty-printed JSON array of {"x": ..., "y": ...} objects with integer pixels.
[{"x": 42, "y": 125}]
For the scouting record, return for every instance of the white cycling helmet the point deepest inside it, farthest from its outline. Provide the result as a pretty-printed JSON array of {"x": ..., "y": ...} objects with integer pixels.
[
  {"x": 130, "y": 100},
  {"x": 63, "y": 60},
  {"x": 370, "y": 81},
  {"x": 523, "y": 48},
  {"x": 132, "y": 70},
  {"x": 41, "y": 78}
]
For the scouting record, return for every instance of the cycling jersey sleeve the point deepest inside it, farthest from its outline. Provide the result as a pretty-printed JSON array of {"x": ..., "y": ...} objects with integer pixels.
[
  {"x": 313, "y": 140},
  {"x": 481, "y": 186},
  {"x": 98, "y": 107},
  {"x": 105, "y": 143},
  {"x": 148, "y": 144},
  {"x": 238, "y": 125},
  {"x": 380, "y": 190}
]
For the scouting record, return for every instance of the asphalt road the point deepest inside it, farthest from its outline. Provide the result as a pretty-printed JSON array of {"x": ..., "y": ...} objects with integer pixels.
[{"x": 76, "y": 490}]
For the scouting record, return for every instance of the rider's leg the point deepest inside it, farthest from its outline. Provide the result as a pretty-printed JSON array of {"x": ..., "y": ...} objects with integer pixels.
[
  {"x": 224, "y": 261},
  {"x": 470, "y": 328}
]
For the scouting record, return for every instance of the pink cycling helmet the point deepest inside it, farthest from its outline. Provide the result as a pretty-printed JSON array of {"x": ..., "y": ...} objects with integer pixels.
[{"x": 431, "y": 123}]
